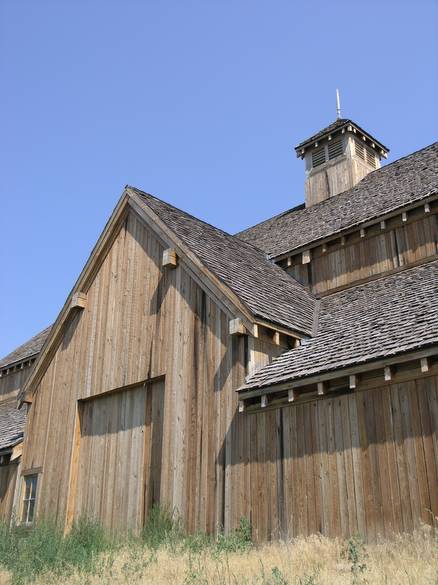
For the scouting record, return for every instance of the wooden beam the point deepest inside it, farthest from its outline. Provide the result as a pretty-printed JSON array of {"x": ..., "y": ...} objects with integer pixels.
[
  {"x": 383, "y": 224},
  {"x": 424, "y": 362},
  {"x": 264, "y": 401},
  {"x": 289, "y": 261},
  {"x": 321, "y": 388},
  {"x": 78, "y": 301},
  {"x": 276, "y": 338},
  {"x": 241, "y": 406},
  {"x": 404, "y": 216},
  {"x": 387, "y": 372},
  {"x": 170, "y": 258},
  {"x": 236, "y": 327},
  {"x": 426, "y": 208},
  {"x": 291, "y": 396},
  {"x": 342, "y": 373},
  {"x": 306, "y": 257},
  {"x": 256, "y": 330},
  {"x": 353, "y": 382},
  {"x": 362, "y": 232}
]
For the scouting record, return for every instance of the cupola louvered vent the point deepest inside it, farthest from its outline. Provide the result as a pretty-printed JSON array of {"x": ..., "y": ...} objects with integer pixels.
[
  {"x": 360, "y": 150},
  {"x": 318, "y": 157},
  {"x": 371, "y": 158},
  {"x": 335, "y": 148}
]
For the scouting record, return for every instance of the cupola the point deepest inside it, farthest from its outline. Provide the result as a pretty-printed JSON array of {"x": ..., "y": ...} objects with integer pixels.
[{"x": 337, "y": 158}]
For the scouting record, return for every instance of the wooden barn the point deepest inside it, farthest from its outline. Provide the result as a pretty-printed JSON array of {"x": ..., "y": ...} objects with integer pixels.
[
  {"x": 14, "y": 371},
  {"x": 288, "y": 373}
]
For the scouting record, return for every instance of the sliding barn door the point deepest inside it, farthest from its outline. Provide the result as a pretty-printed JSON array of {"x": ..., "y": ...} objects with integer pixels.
[{"x": 119, "y": 463}]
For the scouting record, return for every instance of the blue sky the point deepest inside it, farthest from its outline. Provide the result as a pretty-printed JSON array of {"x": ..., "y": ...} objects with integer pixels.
[{"x": 197, "y": 102}]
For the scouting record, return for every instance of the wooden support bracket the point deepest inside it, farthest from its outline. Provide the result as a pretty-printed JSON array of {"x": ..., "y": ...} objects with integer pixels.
[
  {"x": 291, "y": 396},
  {"x": 170, "y": 258},
  {"x": 404, "y": 216},
  {"x": 353, "y": 382},
  {"x": 307, "y": 256},
  {"x": 362, "y": 232},
  {"x": 424, "y": 362},
  {"x": 236, "y": 327},
  {"x": 241, "y": 406},
  {"x": 383, "y": 224},
  {"x": 264, "y": 401},
  {"x": 426, "y": 208},
  {"x": 321, "y": 388},
  {"x": 276, "y": 338},
  {"x": 78, "y": 301},
  {"x": 387, "y": 372}
]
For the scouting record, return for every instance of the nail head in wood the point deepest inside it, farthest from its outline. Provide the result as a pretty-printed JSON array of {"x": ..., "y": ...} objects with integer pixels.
[{"x": 170, "y": 258}]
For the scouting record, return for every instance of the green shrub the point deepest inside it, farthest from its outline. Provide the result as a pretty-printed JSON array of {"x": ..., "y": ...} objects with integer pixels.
[
  {"x": 162, "y": 527},
  {"x": 239, "y": 540},
  {"x": 29, "y": 552}
]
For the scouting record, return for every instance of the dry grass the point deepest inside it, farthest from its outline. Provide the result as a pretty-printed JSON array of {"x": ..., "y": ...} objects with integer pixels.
[{"x": 405, "y": 560}]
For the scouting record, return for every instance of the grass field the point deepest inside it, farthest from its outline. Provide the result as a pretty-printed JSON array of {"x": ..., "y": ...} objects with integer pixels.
[{"x": 164, "y": 555}]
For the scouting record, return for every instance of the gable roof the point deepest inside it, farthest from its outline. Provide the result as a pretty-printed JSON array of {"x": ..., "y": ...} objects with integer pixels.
[
  {"x": 362, "y": 324},
  {"x": 336, "y": 126},
  {"x": 29, "y": 349},
  {"x": 382, "y": 191},
  {"x": 12, "y": 423},
  {"x": 267, "y": 291}
]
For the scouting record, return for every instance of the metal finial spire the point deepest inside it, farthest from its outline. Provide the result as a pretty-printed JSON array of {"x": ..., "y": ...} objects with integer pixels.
[{"x": 338, "y": 105}]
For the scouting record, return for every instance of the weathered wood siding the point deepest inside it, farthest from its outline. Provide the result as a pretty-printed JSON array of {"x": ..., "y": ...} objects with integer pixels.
[
  {"x": 8, "y": 477},
  {"x": 142, "y": 322},
  {"x": 11, "y": 383},
  {"x": 364, "y": 462}
]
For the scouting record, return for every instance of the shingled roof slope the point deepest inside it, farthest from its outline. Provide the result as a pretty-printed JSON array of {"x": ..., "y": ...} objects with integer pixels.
[
  {"x": 334, "y": 127},
  {"x": 27, "y": 350},
  {"x": 262, "y": 286},
  {"x": 12, "y": 423},
  {"x": 383, "y": 318},
  {"x": 382, "y": 191}
]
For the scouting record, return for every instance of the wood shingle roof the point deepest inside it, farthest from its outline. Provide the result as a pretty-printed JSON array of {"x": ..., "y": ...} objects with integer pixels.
[
  {"x": 12, "y": 423},
  {"x": 383, "y": 191},
  {"x": 27, "y": 350},
  {"x": 263, "y": 287},
  {"x": 386, "y": 317}
]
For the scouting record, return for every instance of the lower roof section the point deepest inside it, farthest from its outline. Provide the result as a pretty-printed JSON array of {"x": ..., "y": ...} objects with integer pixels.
[
  {"x": 389, "y": 316},
  {"x": 12, "y": 423}
]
